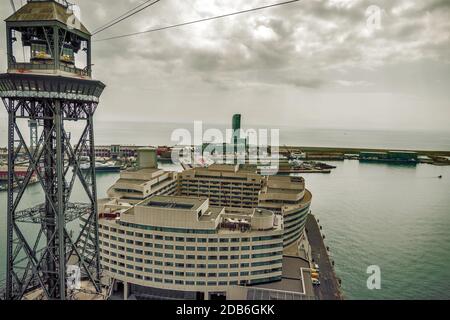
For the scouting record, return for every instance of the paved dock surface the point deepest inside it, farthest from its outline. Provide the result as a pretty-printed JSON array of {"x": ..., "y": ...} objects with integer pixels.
[{"x": 329, "y": 288}]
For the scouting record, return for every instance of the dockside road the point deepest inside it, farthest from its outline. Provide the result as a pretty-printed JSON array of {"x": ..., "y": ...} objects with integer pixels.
[{"x": 329, "y": 288}]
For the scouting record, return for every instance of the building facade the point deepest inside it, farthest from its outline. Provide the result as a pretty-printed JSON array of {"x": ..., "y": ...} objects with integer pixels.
[{"x": 241, "y": 187}]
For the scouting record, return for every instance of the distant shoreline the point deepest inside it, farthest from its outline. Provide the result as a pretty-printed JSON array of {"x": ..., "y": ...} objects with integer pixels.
[
  {"x": 353, "y": 150},
  {"x": 344, "y": 150}
]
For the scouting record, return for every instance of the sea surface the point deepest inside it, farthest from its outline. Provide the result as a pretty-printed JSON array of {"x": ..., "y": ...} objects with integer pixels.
[
  {"x": 391, "y": 216},
  {"x": 155, "y": 133}
]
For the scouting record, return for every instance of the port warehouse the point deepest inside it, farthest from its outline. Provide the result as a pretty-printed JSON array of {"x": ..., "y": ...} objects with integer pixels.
[
  {"x": 204, "y": 233},
  {"x": 389, "y": 156},
  {"x": 116, "y": 151},
  {"x": 355, "y": 151}
]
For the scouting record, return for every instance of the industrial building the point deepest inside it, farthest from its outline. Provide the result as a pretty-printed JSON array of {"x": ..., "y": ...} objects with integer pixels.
[{"x": 390, "y": 156}]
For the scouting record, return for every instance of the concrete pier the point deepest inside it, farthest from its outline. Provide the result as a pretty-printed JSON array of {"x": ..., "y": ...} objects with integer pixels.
[{"x": 329, "y": 288}]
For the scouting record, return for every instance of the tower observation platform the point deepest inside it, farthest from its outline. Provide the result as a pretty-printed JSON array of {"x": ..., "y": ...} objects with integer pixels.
[{"x": 49, "y": 81}]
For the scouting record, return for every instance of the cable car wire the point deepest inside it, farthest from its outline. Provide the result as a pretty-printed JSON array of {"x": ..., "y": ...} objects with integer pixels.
[
  {"x": 197, "y": 21},
  {"x": 13, "y": 5},
  {"x": 122, "y": 15},
  {"x": 125, "y": 16}
]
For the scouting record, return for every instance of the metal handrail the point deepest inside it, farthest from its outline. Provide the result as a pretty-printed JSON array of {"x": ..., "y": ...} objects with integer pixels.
[
  {"x": 64, "y": 3},
  {"x": 31, "y": 66}
]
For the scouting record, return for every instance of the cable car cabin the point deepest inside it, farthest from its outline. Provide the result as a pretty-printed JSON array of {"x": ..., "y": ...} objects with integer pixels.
[
  {"x": 67, "y": 55},
  {"x": 40, "y": 52}
]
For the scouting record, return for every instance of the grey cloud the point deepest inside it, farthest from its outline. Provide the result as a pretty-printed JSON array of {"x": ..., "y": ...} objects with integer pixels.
[
  {"x": 308, "y": 82},
  {"x": 313, "y": 45}
]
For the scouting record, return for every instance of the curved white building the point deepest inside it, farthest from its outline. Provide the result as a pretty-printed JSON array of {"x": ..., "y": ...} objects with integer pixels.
[
  {"x": 202, "y": 233},
  {"x": 179, "y": 247}
]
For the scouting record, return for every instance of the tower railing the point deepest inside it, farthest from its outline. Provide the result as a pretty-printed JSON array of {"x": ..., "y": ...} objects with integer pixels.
[
  {"x": 64, "y": 3},
  {"x": 27, "y": 66}
]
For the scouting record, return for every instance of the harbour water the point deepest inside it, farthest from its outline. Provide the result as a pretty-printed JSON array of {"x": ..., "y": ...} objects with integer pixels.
[
  {"x": 392, "y": 216},
  {"x": 396, "y": 217}
]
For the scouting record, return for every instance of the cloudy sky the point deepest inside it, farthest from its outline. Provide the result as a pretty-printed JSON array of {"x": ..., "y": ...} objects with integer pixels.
[{"x": 314, "y": 63}]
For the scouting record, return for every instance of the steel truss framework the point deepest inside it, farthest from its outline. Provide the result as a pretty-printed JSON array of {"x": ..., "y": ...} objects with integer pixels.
[{"x": 39, "y": 262}]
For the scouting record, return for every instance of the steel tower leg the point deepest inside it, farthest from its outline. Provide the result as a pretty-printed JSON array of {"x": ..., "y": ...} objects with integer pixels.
[
  {"x": 60, "y": 190},
  {"x": 10, "y": 216},
  {"x": 94, "y": 208}
]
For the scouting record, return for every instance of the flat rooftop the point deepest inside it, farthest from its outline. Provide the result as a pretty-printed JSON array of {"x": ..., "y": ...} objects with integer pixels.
[
  {"x": 145, "y": 170},
  {"x": 132, "y": 181},
  {"x": 173, "y": 202},
  {"x": 280, "y": 190},
  {"x": 171, "y": 205},
  {"x": 223, "y": 167},
  {"x": 293, "y": 279}
]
